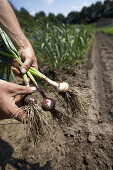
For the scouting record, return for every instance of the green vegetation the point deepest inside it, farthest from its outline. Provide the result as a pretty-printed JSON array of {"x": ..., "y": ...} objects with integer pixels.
[
  {"x": 89, "y": 14},
  {"x": 58, "y": 41},
  {"x": 61, "y": 46},
  {"x": 108, "y": 30},
  {"x": 5, "y": 63}
]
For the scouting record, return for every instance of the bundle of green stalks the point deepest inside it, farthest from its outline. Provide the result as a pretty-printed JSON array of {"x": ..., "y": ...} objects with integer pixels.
[{"x": 69, "y": 97}]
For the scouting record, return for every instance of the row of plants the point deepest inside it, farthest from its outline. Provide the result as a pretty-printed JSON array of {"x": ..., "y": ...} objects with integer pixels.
[{"x": 61, "y": 47}]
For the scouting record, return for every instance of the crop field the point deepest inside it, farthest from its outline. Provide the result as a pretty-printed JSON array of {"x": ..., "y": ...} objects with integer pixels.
[
  {"x": 63, "y": 46},
  {"x": 78, "y": 132},
  {"x": 59, "y": 47}
]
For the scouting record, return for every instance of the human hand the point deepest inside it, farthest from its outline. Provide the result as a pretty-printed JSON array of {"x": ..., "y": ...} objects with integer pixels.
[
  {"x": 28, "y": 57},
  {"x": 10, "y": 24},
  {"x": 11, "y": 96}
]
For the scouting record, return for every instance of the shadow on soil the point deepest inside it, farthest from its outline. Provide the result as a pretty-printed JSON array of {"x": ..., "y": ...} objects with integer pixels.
[{"x": 6, "y": 152}]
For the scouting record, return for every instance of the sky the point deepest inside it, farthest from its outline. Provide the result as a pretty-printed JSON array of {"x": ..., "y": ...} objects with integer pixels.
[{"x": 52, "y": 6}]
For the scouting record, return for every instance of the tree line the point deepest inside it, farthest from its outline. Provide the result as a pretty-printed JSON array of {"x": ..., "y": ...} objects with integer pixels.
[{"x": 86, "y": 15}]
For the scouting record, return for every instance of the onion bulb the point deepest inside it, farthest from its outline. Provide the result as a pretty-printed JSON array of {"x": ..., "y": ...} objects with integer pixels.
[{"x": 48, "y": 104}]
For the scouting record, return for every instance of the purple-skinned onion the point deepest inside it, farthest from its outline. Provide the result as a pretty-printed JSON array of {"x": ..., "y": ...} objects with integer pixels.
[{"x": 48, "y": 104}]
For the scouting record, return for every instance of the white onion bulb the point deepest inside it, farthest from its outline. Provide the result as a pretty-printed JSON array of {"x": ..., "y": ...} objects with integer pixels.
[{"x": 63, "y": 87}]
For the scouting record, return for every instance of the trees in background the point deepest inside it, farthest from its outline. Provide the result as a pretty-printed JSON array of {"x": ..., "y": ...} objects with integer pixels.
[
  {"x": 86, "y": 15},
  {"x": 73, "y": 18},
  {"x": 61, "y": 18},
  {"x": 26, "y": 20},
  {"x": 40, "y": 18}
]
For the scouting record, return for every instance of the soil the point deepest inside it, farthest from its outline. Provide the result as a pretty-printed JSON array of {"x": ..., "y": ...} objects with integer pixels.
[{"x": 82, "y": 142}]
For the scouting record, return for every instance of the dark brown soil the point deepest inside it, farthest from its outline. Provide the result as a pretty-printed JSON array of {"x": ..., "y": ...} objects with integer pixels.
[{"x": 84, "y": 142}]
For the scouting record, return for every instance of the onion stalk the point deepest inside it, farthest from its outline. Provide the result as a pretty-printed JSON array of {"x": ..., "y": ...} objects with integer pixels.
[
  {"x": 33, "y": 72},
  {"x": 48, "y": 103},
  {"x": 72, "y": 96}
]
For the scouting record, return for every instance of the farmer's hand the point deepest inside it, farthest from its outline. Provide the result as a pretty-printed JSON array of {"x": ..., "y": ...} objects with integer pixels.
[
  {"x": 10, "y": 99},
  {"x": 10, "y": 25},
  {"x": 28, "y": 58}
]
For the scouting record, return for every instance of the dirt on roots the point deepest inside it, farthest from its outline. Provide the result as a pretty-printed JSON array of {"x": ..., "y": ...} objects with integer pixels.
[{"x": 82, "y": 142}]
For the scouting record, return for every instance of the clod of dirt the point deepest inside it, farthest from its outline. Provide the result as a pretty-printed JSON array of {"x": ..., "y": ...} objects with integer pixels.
[
  {"x": 69, "y": 132},
  {"x": 91, "y": 138},
  {"x": 100, "y": 121}
]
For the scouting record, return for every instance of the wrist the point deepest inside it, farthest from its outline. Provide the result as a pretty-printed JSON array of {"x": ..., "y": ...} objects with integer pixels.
[
  {"x": 20, "y": 42},
  {"x": 18, "y": 38},
  {"x": 25, "y": 46}
]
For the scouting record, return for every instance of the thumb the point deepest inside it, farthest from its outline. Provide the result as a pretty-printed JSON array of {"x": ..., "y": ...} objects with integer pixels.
[{"x": 25, "y": 66}]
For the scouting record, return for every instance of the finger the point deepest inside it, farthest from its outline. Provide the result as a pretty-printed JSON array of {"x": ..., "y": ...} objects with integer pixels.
[
  {"x": 35, "y": 64},
  {"x": 25, "y": 66},
  {"x": 18, "y": 98},
  {"x": 23, "y": 90},
  {"x": 12, "y": 111},
  {"x": 21, "y": 102},
  {"x": 17, "y": 113},
  {"x": 16, "y": 72},
  {"x": 15, "y": 63}
]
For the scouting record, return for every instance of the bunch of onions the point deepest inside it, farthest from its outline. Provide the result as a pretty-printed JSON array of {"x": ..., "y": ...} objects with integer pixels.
[
  {"x": 72, "y": 96},
  {"x": 48, "y": 103}
]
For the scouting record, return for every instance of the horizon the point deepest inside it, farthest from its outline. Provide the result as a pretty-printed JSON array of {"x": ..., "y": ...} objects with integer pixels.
[{"x": 52, "y": 6}]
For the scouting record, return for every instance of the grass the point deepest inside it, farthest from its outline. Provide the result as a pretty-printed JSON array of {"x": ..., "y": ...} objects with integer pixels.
[{"x": 107, "y": 30}]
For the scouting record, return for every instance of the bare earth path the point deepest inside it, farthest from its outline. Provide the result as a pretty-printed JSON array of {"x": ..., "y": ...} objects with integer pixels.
[{"x": 85, "y": 143}]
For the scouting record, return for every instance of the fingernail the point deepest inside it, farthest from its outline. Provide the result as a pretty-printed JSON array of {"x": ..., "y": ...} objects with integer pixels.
[
  {"x": 33, "y": 88},
  {"x": 23, "y": 70}
]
